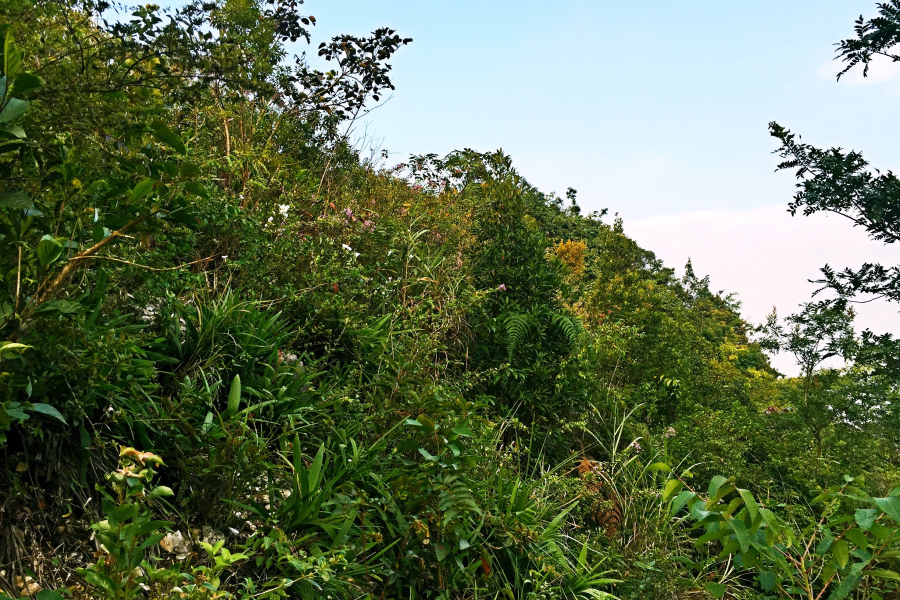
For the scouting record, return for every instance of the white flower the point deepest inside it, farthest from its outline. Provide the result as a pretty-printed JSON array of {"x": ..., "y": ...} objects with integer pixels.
[
  {"x": 283, "y": 209},
  {"x": 346, "y": 247}
]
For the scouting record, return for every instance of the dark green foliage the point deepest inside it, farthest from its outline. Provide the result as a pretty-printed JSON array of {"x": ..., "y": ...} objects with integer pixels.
[{"x": 363, "y": 384}]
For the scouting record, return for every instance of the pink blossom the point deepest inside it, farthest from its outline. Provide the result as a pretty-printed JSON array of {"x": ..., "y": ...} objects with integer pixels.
[{"x": 502, "y": 287}]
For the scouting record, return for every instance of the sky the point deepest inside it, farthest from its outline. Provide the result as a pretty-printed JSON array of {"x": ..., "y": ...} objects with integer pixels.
[{"x": 656, "y": 110}]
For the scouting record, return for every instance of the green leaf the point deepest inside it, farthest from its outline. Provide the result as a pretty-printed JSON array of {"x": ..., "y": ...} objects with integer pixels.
[
  {"x": 14, "y": 109},
  {"x": 12, "y": 347},
  {"x": 715, "y": 483},
  {"x": 14, "y": 410},
  {"x": 848, "y": 584},
  {"x": 48, "y": 250},
  {"x": 12, "y": 56},
  {"x": 13, "y": 131},
  {"x": 142, "y": 189},
  {"x": 100, "y": 580},
  {"x": 189, "y": 169},
  {"x": 49, "y": 595},
  {"x": 15, "y": 200},
  {"x": 234, "y": 396},
  {"x": 462, "y": 431},
  {"x": 25, "y": 82},
  {"x": 716, "y": 590},
  {"x": 865, "y": 517},
  {"x": 427, "y": 423},
  {"x": 46, "y": 409},
  {"x": 890, "y": 506},
  {"x": 720, "y": 493},
  {"x": 672, "y": 486},
  {"x": 441, "y": 551},
  {"x": 660, "y": 466},
  {"x": 168, "y": 137},
  {"x": 716, "y": 534},
  {"x": 767, "y": 580},
  {"x": 824, "y": 545},
  {"x": 682, "y": 499},
  {"x": 196, "y": 189},
  {"x": 883, "y": 574},
  {"x": 428, "y": 455},
  {"x": 750, "y": 503},
  {"x": 840, "y": 552},
  {"x": 161, "y": 491},
  {"x": 857, "y": 537},
  {"x": 740, "y": 531},
  {"x": 64, "y": 307}
]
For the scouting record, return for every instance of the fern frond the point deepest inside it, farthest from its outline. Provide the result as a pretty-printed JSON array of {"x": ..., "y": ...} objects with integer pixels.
[
  {"x": 571, "y": 327},
  {"x": 517, "y": 325},
  {"x": 456, "y": 499}
]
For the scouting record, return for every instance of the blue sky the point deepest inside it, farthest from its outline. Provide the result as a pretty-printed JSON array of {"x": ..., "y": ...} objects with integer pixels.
[{"x": 646, "y": 108}]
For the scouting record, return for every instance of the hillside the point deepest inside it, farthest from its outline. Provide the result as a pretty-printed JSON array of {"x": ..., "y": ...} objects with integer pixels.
[{"x": 242, "y": 357}]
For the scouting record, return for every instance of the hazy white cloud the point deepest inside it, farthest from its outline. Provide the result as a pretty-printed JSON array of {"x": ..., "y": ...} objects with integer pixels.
[{"x": 767, "y": 257}]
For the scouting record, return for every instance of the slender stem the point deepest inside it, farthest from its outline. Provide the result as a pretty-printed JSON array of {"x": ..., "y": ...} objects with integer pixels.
[
  {"x": 133, "y": 264},
  {"x": 18, "y": 279}
]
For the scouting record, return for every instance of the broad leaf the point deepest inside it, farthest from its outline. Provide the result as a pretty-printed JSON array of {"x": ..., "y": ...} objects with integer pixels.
[
  {"x": 740, "y": 531},
  {"x": 441, "y": 551},
  {"x": 46, "y": 409},
  {"x": 14, "y": 109},
  {"x": 672, "y": 486},
  {"x": 168, "y": 137},
  {"x": 428, "y": 455},
  {"x": 15, "y": 200},
  {"x": 682, "y": 499},
  {"x": 142, "y": 189},
  {"x": 48, "y": 250},
  {"x": 890, "y": 506},
  {"x": 462, "y": 431},
  {"x": 12, "y": 347},
  {"x": 196, "y": 189},
  {"x": 865, "y": 517},
  {"x": 767, "y": 580},
  {"x": 715, "y": 483},
  {"x": 25, "y": 82},
  {"x": 750, "y": 503},
  {"x": 883, "y": 574},
  {"x": 840, "y": 552}
]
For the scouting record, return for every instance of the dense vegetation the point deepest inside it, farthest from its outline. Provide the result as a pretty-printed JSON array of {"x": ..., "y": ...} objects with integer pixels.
[{"x": 241, "y": 358}]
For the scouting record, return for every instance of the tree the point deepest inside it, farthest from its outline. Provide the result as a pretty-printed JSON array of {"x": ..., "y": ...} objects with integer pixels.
[{"x": 842, "y": 182}]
